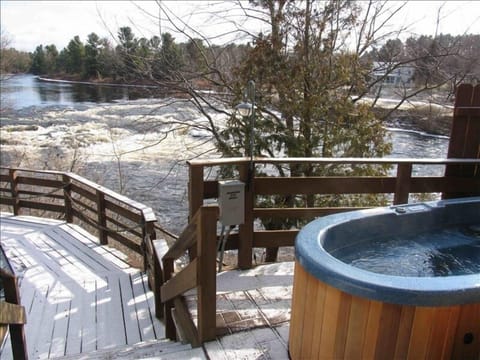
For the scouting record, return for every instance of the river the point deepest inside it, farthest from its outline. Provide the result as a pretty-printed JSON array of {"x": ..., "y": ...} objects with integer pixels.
[
  {"x": 24, "y": 91},
  {"x": 106, "y": 134}
]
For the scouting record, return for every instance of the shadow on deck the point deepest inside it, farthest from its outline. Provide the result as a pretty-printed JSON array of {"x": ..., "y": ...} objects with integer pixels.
[{"x": 79, "y": 296}]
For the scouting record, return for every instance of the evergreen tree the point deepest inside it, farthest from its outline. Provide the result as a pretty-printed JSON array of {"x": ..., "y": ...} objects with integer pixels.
[
  {"x": 51, "y": 58},
  {"x": 92, "y": 53},
  {"x": 39, "y": 62},
  {"x": 75, "y": 56},
  {"x": 169, "y": 60},
  {"x": 305, "y": 74},
  {"x": 127, "y": 50}
]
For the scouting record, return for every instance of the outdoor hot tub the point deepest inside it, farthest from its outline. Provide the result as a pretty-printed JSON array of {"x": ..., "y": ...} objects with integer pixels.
[{"x": 395, "y": 282}]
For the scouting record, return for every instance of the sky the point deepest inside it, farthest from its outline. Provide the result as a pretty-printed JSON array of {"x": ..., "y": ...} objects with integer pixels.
[{"x": 28, "y": 24}]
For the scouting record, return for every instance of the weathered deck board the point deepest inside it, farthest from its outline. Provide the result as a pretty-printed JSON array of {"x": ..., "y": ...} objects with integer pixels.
[
  {"x": 79, "y": 296},
  {"x": 83, "y": 301}
]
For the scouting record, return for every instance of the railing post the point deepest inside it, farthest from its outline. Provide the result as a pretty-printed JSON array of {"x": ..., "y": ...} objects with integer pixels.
[
  {"x": 17, "y": 332},
  {"x": 102, "y": 218},
  {"x": 195, "y": 189},
  {"x": 465, "y": 135},
  {"x": 67, "y": 195},
  {"x": 148, "y": 235},
  {"x": 157, "y": 282},
  {"x": 170, "y": 331},
  {"x": 14, "y": 191},
  {"x": 206, "y": 274},
  {"x": 402, "y": 184},
  {"x": 245, "y": 232},
  {"x": 196, "y": 192}
]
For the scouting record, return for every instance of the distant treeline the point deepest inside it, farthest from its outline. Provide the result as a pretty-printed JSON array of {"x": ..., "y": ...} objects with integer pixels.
[
  {"x": 128, "y": 60},
  {"x": 132, "y": 59}
]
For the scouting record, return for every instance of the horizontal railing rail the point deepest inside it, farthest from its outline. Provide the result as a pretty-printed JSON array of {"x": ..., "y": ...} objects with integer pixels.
[
  {"x": 66, "y": 195},
  {"x": 399, "y": 187}
]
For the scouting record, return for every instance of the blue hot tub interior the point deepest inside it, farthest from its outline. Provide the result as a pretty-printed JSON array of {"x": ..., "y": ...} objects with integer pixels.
[{"x": 418, "y": 254}]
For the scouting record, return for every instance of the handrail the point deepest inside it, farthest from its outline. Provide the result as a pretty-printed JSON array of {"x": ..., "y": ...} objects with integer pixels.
[
  {"x": 74, "y": 198},
  {"x": 199, "y": 238},
  {"x": 401, "y": 183},
  {"x": 332, "y": 160}
]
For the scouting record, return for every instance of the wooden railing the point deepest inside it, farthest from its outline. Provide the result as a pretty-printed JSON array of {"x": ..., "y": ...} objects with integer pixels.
[
  {"x": 400, "y": 186},
  {"x": 12, "y": 314},
  {"x": 199, "y": 239},
  {"x": 71, "y": 197},
  {"x": 200, "y": 236}
]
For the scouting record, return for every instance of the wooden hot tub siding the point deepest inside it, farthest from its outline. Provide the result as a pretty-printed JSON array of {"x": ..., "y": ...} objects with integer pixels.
[{"x": 327, "y": 323}]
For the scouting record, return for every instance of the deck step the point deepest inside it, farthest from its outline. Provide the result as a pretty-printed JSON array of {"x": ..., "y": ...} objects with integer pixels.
[{"x": 155, "y": 349}]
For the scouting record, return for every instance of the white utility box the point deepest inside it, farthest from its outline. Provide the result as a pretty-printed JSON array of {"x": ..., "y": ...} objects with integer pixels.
[{"x": 231, "y": 201}]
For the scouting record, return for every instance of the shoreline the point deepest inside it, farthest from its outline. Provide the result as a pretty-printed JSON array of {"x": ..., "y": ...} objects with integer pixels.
[{"x": 95, "y": 83}]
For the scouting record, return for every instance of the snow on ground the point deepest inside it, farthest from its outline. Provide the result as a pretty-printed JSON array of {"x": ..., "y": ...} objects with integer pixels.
[{"x": 138, "y": 148}]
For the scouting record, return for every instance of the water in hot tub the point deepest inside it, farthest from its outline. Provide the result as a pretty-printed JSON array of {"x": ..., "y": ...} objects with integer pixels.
[{"x": 444, "y": 252}]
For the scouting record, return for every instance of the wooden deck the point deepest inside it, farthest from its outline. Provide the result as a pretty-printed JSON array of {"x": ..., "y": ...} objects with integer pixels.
[
  {"x": 83, "y": 301},
  {"x": 79, "y": 296}
]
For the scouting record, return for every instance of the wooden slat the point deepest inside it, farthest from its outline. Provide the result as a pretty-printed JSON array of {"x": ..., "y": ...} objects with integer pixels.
[
  {"x": 181, "y": 282},
  {"x": 330, "y": 322},
  {"x": 324, "y": 185},
  {"x": 319, "y": 313},
  {"x": 81, "y": 215},
  {"x": 125, "y": 241},
  {"x": 88, "y": 193},
  {"x": 125, "y": 212},
  {"x": 300, "y": 213},
  {"x": 388, "y": 329},
  {"x": 309, "y": 321},
  {"x": 357, "y": 324},
  {"x": 41, "y": 206},
  {"x": 132, "y": 228},
  {"x": 404, "y": 332},
  {"x": 78, "y": 202},
  {"x": 36, "y": 181},
  {"x": 6, "y": 201},
  {"x": 36, "y": 194},
  {"x": 186, "y": 239},
  {"x": 160, "y": 248},
  {"x": 269, "y": 238},
  {"x": 442, "y": 184},
  {"x": 12, "y": 313},
  {"x": 185, "y": 322},
  {"x": 298, "y": 303}
]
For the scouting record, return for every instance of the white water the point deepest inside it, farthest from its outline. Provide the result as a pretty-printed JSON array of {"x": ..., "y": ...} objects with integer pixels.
[{"x": 139, "y": 148}]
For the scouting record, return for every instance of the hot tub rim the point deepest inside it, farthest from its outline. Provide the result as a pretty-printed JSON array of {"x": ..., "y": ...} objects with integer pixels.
[{"x": 417, "y": 291}]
